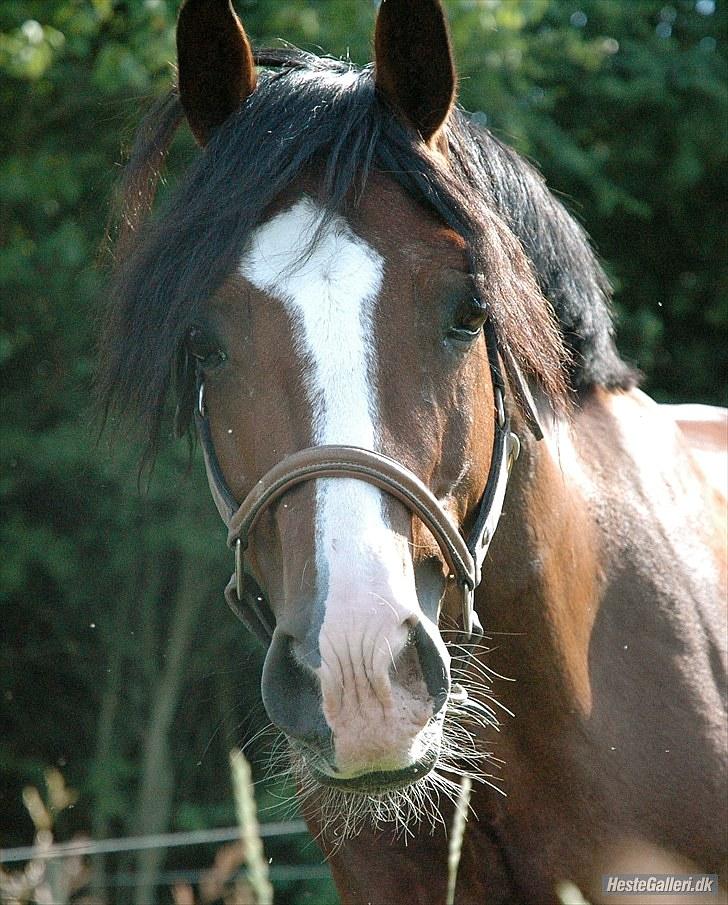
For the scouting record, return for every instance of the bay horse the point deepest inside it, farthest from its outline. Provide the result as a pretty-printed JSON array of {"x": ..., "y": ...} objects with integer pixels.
[{"x": 392, "y": 340}]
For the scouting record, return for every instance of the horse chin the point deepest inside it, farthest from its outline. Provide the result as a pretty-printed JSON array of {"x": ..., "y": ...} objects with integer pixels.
[{"x": 341, "y": 807}]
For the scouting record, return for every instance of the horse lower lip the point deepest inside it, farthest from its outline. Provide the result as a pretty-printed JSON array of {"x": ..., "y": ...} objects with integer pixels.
[{"x": 372, "y": 783}]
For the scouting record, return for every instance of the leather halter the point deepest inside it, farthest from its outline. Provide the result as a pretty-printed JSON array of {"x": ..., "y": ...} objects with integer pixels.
[{"x": 464, "y": 556}]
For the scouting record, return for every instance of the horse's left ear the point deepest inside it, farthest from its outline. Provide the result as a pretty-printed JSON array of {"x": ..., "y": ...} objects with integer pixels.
[
  {"x": 413, "y": 63},
  {"x": 216, "y": 71}
]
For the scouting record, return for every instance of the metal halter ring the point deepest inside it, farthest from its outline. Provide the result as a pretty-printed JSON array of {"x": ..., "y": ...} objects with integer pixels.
[{"x": 500, "y": 407}]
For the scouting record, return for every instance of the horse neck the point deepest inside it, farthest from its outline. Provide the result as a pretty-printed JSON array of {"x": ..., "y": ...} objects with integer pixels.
[
  {"x": 603, "y": 522},
  {"x": 541, "y": 578}
]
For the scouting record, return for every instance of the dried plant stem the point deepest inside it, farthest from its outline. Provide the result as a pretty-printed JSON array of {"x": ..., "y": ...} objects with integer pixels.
[
  {"x": 457, "y": 834},
  {"x": 248, "y": 821}
]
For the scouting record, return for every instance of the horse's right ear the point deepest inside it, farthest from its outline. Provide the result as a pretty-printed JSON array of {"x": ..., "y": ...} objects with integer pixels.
[{"x": 216, "y": 71}]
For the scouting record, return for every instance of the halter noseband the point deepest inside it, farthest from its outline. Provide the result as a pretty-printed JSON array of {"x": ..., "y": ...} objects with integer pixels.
[{"x": 464, "y": 556}]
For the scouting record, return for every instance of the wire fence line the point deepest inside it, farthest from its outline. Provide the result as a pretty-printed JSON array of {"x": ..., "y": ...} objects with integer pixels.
[
  {"x": 279, "y": 873},
  {"x": 140, "y": 843}
]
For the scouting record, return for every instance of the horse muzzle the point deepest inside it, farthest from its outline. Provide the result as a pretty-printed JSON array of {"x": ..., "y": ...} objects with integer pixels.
[{"x": 364, "y": 722}]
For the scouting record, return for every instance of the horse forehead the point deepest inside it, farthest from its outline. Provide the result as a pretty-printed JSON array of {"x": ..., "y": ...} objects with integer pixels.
[
  {"x": 303, "y": 249},
  {"x": 404, "y": 228},
  {"x": 328, "y": 281},
  {"x": 300, "y": 241}
]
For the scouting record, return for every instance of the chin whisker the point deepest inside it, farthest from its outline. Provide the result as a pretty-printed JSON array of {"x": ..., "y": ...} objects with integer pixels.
[{"x": 464, "y": 751}]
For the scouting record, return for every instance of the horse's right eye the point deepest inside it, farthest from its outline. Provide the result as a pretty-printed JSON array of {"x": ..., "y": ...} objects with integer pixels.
[{"x": 205, "y": 348}]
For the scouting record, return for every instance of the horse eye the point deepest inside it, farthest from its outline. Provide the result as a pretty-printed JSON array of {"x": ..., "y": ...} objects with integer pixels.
[
  {"x": 205, "y": 348},
  {"x": 469, "y": 319}
]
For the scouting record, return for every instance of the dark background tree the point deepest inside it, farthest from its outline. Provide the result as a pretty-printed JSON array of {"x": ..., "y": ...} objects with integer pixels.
[{"x": 119, "y": 663}]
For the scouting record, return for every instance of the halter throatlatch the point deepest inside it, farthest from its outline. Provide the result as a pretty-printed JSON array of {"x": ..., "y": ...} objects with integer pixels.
[{"x": 464, "y": 556}]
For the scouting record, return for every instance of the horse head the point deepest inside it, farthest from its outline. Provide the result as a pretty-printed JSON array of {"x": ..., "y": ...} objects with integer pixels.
[{"x": 344, "y": 306}]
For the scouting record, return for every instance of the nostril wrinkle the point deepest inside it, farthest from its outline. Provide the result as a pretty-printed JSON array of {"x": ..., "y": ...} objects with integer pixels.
[
  {"x": 354, "y": 674},
  {"x": 391, "y": 655},
  {"x": 380, "y": 681}
]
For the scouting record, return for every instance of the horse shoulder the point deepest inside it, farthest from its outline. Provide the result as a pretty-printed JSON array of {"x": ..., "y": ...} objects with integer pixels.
[
  {"x": 659, "y": 518},
  {"x": 705, "y": 428},
  {"x": 681, "y": 457},
  {"x": 659, "y": 636}
]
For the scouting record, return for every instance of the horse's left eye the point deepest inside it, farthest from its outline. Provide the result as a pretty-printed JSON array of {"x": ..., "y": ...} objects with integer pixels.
[
  {"x": 205, "y": 348},
  {"x": 469, "y": 319}
]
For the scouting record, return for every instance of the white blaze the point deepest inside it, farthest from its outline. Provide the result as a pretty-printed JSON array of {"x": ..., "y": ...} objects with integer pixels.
[{"x": 329, "y": 288}]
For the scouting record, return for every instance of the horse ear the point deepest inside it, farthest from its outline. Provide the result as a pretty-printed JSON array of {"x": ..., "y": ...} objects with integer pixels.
[
  {"x": 216, "y": 71},
  {"x": 413, "y": 63}
]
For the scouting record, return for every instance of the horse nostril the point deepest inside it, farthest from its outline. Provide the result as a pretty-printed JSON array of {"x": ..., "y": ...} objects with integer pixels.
[
  {"x": 421, "y": 659},
  {"x": 291, "y": 693}
]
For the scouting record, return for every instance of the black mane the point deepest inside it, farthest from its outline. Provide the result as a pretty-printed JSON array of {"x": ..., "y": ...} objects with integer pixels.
[
  {"x": 568, "y": 272},
  {"x": 314, "y": 114}
]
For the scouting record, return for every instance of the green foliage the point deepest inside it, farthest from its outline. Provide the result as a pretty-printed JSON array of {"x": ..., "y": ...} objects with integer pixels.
[{"x": 624, "y": 108}]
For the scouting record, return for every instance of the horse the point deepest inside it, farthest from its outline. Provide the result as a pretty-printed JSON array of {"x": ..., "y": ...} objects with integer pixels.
[{"x": 475, "y": 551}]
